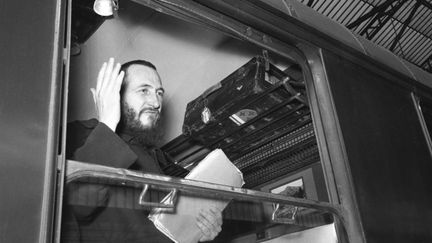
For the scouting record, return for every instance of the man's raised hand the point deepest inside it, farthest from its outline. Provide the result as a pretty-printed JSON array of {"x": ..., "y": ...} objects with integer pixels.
[{"x": 106, "y": 95}]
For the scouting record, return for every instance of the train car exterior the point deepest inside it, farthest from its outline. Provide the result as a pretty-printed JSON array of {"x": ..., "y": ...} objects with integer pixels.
[
  {"x": 370, "y": 112},
  {"x": 32, "y": 45}
]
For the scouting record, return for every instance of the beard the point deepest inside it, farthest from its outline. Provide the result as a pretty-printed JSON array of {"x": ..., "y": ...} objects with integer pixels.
[{"x": 130, "y": 123}]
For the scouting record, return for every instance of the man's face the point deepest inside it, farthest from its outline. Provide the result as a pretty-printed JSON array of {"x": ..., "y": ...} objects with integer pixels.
[{"x": 142, "y": 97}]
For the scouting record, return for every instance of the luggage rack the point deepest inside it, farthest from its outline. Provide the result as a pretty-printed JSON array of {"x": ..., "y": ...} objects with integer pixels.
[{"x": 258, "y": 115}]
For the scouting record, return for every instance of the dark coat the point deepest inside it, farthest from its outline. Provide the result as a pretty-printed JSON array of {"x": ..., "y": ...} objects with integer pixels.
[{"x": 100, "y": 213}]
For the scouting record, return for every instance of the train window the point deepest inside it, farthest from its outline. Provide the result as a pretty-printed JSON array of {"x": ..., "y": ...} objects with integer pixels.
[
  {"x": 248, "y": 216},
  {"x": 220, "y": 93}
]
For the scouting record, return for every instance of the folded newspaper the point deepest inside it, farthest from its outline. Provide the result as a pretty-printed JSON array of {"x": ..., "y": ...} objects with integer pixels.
[{"x": 180, "y": 226}]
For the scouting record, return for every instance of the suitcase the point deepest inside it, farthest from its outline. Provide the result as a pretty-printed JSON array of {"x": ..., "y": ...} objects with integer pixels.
[{"x": 249, "y": 100}]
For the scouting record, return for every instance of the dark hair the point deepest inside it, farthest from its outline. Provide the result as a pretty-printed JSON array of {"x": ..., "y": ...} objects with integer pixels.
[{"x": 125, "y": 66}]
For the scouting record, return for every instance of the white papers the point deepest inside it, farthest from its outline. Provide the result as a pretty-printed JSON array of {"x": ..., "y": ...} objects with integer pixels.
[{"x": 180, "y": 226}]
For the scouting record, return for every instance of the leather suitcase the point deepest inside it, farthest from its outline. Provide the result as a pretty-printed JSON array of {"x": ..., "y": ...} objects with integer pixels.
[{"x": 250, "y": 98}]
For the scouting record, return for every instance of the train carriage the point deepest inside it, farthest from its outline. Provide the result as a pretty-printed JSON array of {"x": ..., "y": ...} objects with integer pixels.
[{"x": 296, "y": 101}]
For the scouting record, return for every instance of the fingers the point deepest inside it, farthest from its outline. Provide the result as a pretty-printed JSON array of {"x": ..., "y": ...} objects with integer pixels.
[
  {"x": 93, "y": 91},
  {"x": 101, "y": 76},
  {"x": 114, "y": 74},
  {"x": 106, "y": 95},
  {"x": 217, "y": 213},
  {"x": 209, "y": 222},
  {"x": 112, "y": 83},
  {"x": 107, "y": 74},
  {"x": 209, "y": 218},
  {"x": 207, "y": 234},
  {"x": 204, "y": 230},
  {"x": 119, "y": 80},
  {"x": 109, "y": 79}
]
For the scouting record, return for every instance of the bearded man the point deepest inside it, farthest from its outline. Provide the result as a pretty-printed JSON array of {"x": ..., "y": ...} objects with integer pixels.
[{"x": 128, "y": 100}]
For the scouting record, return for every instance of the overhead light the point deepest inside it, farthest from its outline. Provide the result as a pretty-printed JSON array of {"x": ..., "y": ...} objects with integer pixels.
[{"x": 105, "y": 7}]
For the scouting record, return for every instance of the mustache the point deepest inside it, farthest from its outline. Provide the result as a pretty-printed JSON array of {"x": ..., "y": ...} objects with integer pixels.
[{"x": 153, "y": 110}]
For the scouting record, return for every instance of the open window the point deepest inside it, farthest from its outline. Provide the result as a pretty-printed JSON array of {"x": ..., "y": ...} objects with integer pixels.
[{"x": 222, "y": 92}]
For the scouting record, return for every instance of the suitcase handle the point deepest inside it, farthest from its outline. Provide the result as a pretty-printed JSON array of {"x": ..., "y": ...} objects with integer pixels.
[
  {"x": 210, "y": 90},
  {"x": 168, "y": 203}
]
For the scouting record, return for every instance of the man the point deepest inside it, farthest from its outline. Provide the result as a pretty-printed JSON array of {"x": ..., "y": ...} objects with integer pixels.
[{"x": 128, "y": 101}]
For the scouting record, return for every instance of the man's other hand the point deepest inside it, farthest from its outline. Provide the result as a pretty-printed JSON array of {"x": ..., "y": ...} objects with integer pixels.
[
  {"x": 106, "y": 95},
  {"x": 209, "y": 222}
]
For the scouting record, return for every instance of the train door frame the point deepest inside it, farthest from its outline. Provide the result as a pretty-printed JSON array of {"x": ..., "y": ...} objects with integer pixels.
[
  {"x": 32, "y": 53},
  {"x": 417, "y": 100}
]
